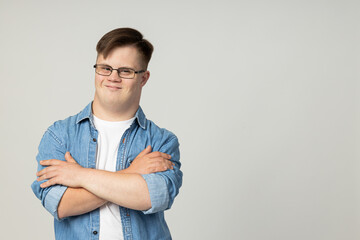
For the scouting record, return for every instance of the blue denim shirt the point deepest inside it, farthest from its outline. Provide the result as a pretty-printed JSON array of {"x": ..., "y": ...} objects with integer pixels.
[{"x": 78, "y": 135}]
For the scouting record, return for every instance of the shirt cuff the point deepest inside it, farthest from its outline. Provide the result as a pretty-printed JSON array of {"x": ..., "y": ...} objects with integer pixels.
[
  {"x": 158, "y": 191},
  {"x": 53, "y": 198}
]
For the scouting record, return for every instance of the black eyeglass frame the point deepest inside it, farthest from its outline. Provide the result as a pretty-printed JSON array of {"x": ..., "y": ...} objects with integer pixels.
[{"x": 118, "y": 71}]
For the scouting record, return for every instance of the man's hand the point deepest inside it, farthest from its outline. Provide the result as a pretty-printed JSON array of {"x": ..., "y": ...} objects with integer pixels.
[
  {"x": 149, "y": 162},
  {"x": 60, "y": 172}
]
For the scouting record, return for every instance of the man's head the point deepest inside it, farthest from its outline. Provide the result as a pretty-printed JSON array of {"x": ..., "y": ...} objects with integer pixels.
[
  {"x": 121, "y": 72},
  {"x": 122, "y": 37}
]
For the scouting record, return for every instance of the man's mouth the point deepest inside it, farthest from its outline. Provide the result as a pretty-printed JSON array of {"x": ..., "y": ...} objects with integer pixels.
[{"x": 112, "y": 87}]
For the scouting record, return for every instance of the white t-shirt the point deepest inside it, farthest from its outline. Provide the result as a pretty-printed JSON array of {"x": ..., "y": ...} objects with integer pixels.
[{"x": 109, "y": 136}]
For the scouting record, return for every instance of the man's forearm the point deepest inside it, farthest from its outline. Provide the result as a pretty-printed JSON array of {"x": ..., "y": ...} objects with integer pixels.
[
  {"x": 125, "y": 189},
  {"x": 77, "y": 201}
]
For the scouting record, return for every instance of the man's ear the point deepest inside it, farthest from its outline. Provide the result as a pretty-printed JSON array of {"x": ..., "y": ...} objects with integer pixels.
[{"x": 145, "y": 78}]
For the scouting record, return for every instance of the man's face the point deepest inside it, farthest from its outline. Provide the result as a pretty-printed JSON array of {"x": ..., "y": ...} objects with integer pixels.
[{"x": 120, "y": 92}]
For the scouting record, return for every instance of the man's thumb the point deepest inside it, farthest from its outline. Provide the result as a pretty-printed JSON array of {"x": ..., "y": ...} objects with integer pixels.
[
  {"x": 69, "y": 158},
  {"x": 145, "y": 151}
]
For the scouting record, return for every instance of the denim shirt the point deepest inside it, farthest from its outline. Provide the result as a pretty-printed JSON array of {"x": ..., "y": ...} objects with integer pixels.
[{"x": 78, "y": 135}]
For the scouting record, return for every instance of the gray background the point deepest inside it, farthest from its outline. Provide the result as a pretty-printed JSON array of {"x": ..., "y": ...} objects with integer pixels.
[{"x": 263, "y": 95}]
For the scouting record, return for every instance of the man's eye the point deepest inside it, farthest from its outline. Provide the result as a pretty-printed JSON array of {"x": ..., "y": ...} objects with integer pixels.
[
  {"x": 106, "y": 68},
  {"x": 126, "y": 71}
]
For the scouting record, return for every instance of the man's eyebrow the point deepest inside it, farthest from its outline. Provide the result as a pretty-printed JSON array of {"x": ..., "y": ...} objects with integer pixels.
[
  {"x": 103, "y": 64},
  {"x": 127, "y": 67}
]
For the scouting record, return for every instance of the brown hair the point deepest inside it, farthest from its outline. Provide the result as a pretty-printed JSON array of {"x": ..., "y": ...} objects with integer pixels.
[{"x": 122, "y": 37}]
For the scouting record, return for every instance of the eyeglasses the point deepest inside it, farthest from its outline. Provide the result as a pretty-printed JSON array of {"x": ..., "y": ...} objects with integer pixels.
[{"x": 106, "y": 70}]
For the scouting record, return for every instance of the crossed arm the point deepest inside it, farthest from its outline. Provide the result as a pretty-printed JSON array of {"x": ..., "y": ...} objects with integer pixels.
[{"x": 89, "y": 189}]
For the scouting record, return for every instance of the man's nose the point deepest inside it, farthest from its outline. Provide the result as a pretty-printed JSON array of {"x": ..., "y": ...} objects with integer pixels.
[{"x": 114, "y": 76}]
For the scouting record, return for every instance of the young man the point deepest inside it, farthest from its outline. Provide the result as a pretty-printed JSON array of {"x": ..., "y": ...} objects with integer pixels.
[{"x": 108, "y": 172}]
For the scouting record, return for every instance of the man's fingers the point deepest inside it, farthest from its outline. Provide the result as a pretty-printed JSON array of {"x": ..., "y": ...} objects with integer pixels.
[
  {"x": 166, "y": 165},
  {"x": 44, "y": 171},
  {"x": 46, "y": 175},
  {"x": 48, "y": 183},
  {"x": 50, "y": 162},
  {"x": 159, "y": 154},
  {"x": 69, "y": 158},
  {"x": 162, "y": 164},
  {"x": 170, "y": 165}
]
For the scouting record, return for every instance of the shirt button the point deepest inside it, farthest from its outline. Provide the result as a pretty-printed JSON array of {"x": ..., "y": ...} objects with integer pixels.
[
  {"x": 94, "y": 232},
  {"x": 94, "y": 139}
]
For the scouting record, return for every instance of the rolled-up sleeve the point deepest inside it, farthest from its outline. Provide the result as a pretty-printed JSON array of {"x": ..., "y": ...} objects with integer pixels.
[
  {"x": 164, "y": 186},
  {"x": 53, "y": 198},
  {"x": 50, "y": 148}
]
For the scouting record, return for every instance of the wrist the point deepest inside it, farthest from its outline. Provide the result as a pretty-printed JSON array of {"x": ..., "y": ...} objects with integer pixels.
[
  {"x": 126, "y": 170},
  {"x": 83, "y": 176}
]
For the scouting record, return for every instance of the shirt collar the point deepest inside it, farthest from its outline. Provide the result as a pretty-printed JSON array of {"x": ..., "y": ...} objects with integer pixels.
[
  {"x": 87, "y": 114},
  {"x": 84, "y": 114},
  {"x": 140, "y": 117}
]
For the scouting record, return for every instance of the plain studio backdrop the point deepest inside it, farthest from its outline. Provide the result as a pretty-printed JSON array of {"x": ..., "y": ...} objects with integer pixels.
[{"x": 263, "y": 95}]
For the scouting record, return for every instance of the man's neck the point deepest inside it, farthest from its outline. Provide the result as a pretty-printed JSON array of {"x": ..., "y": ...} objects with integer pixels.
[{"x": 113, "y": 113}]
